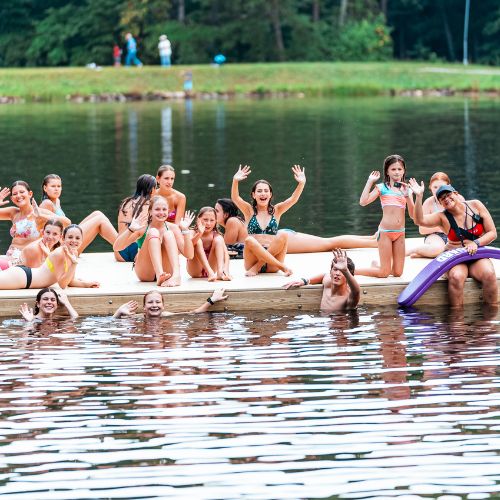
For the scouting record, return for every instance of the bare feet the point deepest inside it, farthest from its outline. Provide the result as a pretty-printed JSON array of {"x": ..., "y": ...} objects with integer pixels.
[
  {"x": 173, "y": 281},
  {"x": 162, "y": 278},
  {"x": 253, "y": 271},
  {"x": 224, "y": 276},
  {"x": 212, "y": 277}
]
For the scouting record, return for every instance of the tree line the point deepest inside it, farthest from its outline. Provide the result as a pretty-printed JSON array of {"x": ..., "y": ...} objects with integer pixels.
[{"x": 77, "y": 32}]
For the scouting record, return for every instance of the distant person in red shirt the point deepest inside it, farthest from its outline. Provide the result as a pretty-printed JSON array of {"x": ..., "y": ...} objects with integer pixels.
[{"x": 117, "y": 55}]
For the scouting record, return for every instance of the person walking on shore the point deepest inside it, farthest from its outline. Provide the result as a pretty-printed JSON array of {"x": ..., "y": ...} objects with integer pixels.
[
  {"x": 131, "y": 51},
  {"x": 165, "y": 50}
]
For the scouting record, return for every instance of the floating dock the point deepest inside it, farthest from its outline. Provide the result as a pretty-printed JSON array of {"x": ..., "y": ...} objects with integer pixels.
[{"x": 119, "y": 284}]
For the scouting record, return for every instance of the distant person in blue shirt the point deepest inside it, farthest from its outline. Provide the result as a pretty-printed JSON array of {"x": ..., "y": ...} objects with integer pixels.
[
  {"x": 131, "y": 51},
  {"x": 219, "y": 59}
]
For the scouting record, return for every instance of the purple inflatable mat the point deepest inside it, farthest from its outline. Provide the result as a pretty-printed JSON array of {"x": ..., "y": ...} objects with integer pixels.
[{"x": 442, "y": 263}]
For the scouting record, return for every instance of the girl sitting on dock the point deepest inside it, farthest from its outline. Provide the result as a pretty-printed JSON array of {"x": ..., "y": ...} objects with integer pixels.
[
  {"x": 27, "y": 218},
  {"x": 235, "y": 229},
  {"x": 59, "y": 267},
  {"x": 47, "y": 303},
  {"x": 434, "y": 239},
  {"x": 394, "y": 196},
  {"x": 165, "y": 177},
  {"x": 265, "y": 248},
  {"x": 154, "y": 307},
  {"x": 159, "y": 243},
  {"x": 467, "y": 224},
  {"x": 133, "y": 207},
  {"x": 211, "y": 258},
  {"x": 95, "y": 224}
]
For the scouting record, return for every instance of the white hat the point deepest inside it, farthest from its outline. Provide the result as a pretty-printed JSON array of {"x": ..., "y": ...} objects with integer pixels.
[{"x": 163, "y": 37}]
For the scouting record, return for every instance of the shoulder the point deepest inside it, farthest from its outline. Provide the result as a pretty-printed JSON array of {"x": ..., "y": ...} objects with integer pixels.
[
  {"x": 48, "y": 205},
  {"x": 179, "y": 196},
  {"x": 234, "y": 222}
]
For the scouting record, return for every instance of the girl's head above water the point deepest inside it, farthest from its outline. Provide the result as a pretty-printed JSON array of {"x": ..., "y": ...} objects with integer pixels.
[{"x": 46, "y": 300}]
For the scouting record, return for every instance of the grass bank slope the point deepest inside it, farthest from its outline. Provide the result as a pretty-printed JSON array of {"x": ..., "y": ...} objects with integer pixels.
[{"x": 56, "y": 84}]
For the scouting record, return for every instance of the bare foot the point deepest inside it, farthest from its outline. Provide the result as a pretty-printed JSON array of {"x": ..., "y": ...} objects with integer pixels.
[
  {"x": 162, "y": 278},
  {"x": 173, "y": 281},
  {"x": 212, "y": 277},
  {"x": 253, "y": 271},
  {"x": 224, "y": 276}
]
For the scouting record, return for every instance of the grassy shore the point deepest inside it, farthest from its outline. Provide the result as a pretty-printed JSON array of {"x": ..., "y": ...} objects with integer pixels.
[{"x": 311, "y": 79}]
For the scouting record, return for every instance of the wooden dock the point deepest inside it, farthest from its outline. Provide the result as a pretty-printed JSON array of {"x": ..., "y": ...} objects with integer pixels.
[{"x": 263, "y": 292}]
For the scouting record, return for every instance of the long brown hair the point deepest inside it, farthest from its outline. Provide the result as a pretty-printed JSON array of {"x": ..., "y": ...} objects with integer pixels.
[
  {"x": 390, "y": 160},
  {"x": 270, "y": 206}
]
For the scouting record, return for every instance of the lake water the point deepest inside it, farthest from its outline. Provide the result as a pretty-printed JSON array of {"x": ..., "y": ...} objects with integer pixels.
[
  {"x": 100, "y": 150},
  {"x": 377, "y": 404},
  {"x": 374, "y": 404}
]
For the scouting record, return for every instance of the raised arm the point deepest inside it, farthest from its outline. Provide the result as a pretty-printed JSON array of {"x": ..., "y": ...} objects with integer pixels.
[
  {"x": 340, "y": 263},
  {"x": 428, "y": 220},
  {"x": 369, "y": 195},
  {"x": 134, "y": 231},
  {"x": 300, "y": 176},
  {"x": 64, "y": 300},
  {"x": 67, "y": 261},
  {"x": 8, "y": 212},
  {"x": 217, "y": 296},
  {"x": 244, "y": 206},
  {"x": 183, "y": 235},
  {"x": 47, "y": 211}
]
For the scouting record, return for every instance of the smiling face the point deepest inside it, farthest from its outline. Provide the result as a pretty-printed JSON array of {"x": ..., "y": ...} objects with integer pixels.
[
  {"x": 166, "y": 179},
  {"x": 262, "y": 194},
  {"x": 159, "y": 210},
  {"x": 20, "y": 196},
  {"x": 51, "y": 235},
  {"x": 47, "y": 304},
  {"x": 153, "y": 305},
  {"x": 53, "y": 189},
  {"x": 208, "y": 218},
  {"x": 73, "y": 238},
  {"x": 448, "y": 200},
  {"x": 396, "y": 171}
]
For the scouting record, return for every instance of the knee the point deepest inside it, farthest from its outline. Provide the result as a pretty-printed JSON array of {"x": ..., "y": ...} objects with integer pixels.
[
  {"x": 219, "y": 241},
  {"x": 282, "y": 236},
  {"x": 456, "y": 278},
  {"x": 153, "y": 233},
  {"x": 489, "y": 279},
  {"x": 250, "y": 242}
]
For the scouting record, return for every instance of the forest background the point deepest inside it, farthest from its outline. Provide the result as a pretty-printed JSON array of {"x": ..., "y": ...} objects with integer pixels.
[{"x": 77, "y": 32}]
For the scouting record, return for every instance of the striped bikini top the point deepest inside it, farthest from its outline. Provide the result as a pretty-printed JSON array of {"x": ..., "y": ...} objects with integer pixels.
[{"x": 390, "y": 198}]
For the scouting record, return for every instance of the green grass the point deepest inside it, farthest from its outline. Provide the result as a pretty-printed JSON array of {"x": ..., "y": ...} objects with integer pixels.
[{"x": 312, "y": 79}]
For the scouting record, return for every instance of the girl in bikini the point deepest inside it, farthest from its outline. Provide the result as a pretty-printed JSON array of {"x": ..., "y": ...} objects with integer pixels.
[
  {"x": 133, "y": 207},
  {"x": 27, "y": 218},
  {"x": 467, "y": 224},
  {"x": 59, "y": 267},
  {"x": 394, "y": 196},
  {"x": 47, "y": 303},
  {"x": 434, "y": 239},
  {"x": 93, "y": 225},
  {"x": 265, "y": 248},
  {"x": 176, "y": 200},
  {"x": 159, "y": 242},
  {"x": 35, "y": 253},
  {"x": 235, "y": 230},
  {"x": 211, "y": 258}
]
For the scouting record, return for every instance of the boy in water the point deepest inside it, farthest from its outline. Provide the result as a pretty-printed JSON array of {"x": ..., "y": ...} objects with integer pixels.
[{"x": 340, "y": 289}]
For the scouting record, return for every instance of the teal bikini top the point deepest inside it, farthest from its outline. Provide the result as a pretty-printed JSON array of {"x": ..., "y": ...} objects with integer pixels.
[{"x": 254, "y": 226}]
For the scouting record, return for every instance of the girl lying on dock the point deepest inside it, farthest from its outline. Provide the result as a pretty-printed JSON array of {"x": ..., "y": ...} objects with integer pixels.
[
  {"x": 95, "y": 224},
  {"x": 211, "y": 258},
  {"x": 159, "y": 243},
  {"x": 59, "y": 267},
  {"x": 467, "y": 224},
  {"x": 265, "y": 248},
  {"x": 47, "y": 303},
  {"x": 165, "y": 177},
  {"x": 394, "y": 196},
  {"x": 154, "y": 307},
  {"x": 35, "y": 253}
]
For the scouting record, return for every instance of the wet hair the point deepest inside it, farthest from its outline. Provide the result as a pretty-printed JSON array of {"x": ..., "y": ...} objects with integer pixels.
[
  {"x": 390, "y": 160},
  {"x": 439, "y": 176},
  {"x": 57, "y": 223},
  {"x": 149, "y": 293},
  {"x": 20, "y": 183},
  {"x": 36, "y": 309},
  {"x": 270, "y": 206},
  {"x": 146, "y": 184},
  {"x": 202, "y": 212},
  {"x": 164, "y": 168},
  {"x": 45, "y": 181},
  {"x": 72, "y": 226},
  {"x": 350, "y": 265},
  {"x": 229, "y": 208}
]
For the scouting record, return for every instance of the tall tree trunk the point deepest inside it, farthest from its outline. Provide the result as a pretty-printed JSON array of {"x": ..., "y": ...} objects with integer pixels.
[
  {"x": 383, "y": 7},
  {"x": 315, "y": 11},
  {"x": 447, "y": 31},
  {"x": 343, "y": 12},
  {"x": 181, "y": 11},
  {"x": 278, "y": 34}
]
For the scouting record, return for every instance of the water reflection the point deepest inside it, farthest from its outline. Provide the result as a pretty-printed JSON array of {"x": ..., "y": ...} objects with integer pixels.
[
  {"x": 365, "y": 404},
  {"x": 166, "y": 136}
]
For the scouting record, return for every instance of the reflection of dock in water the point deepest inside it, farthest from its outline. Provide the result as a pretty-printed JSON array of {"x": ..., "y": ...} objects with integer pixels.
[{"x": 263, "y": 292}]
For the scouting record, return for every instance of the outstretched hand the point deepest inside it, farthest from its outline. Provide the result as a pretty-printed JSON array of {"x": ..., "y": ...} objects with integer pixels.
[
  {"x": 417, "y": 188},
  {"x": 72, "y": 253},
  {"x": 187, "y": 220},
  {"x": 3, "y": 194},
  {"x": 26, "y": 312},
  {"x": 139, "y": 222},
  {"x": 299, "y": 174},
  {"x": 242, "y": 173},
  {"x": 293, "y": 284},
  {"x": 374, "y": 176},
  {"x": 127, "y": 309},
  {"x": 339, "y": 259},
  {"x": 36, "y": 209},
  {"x": 218, "y": 295}
]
